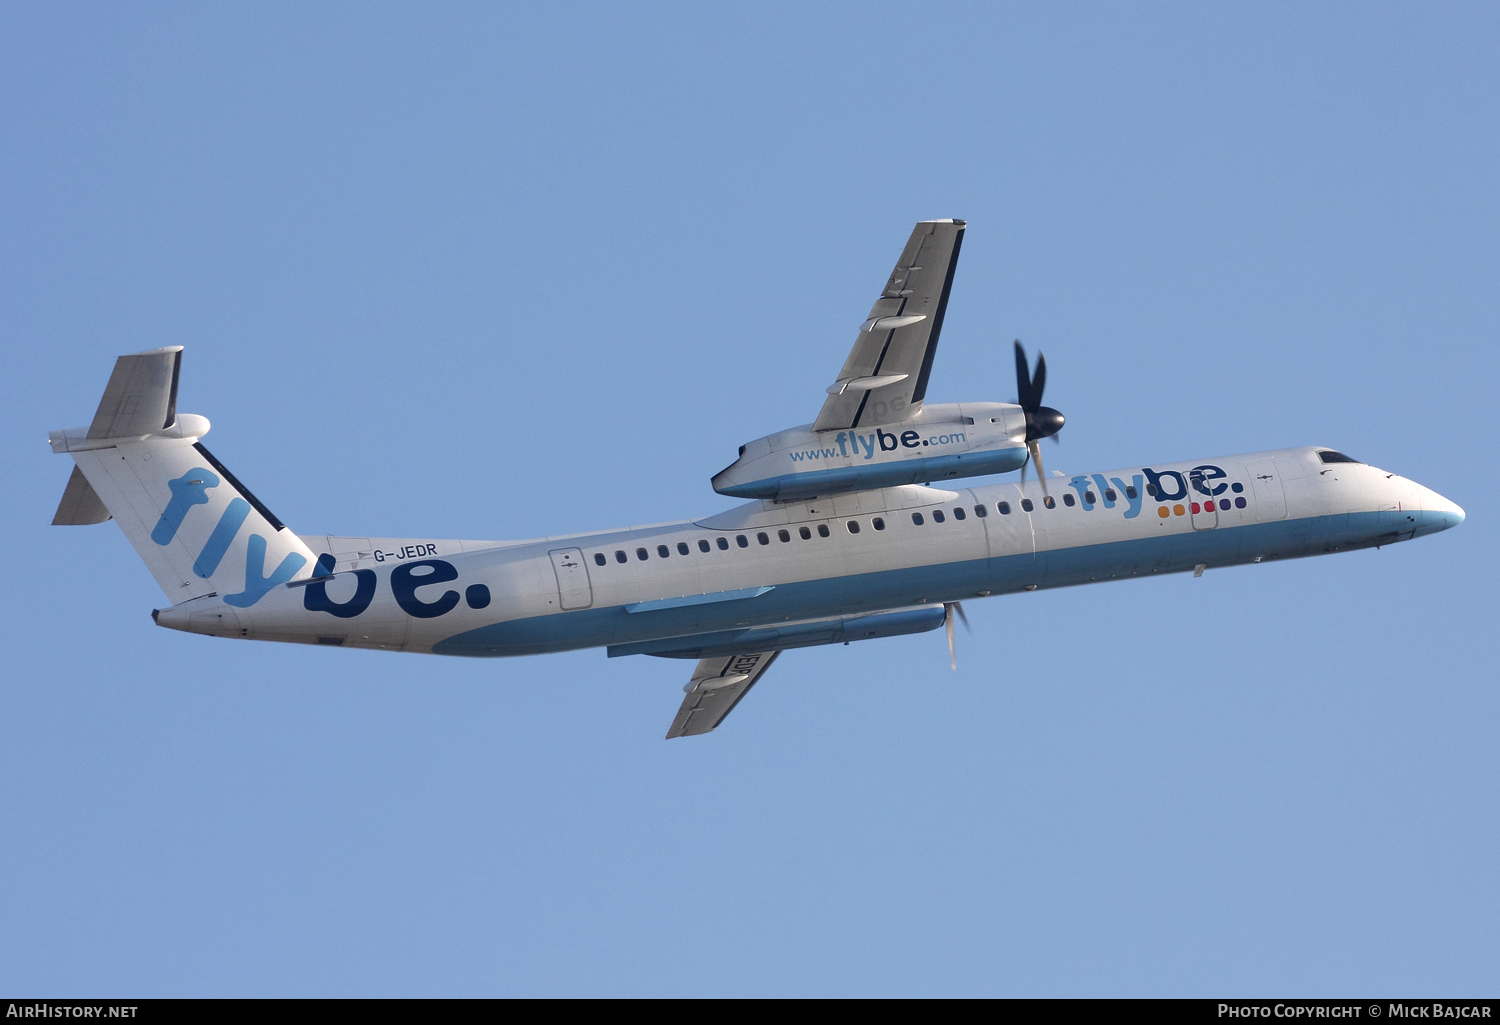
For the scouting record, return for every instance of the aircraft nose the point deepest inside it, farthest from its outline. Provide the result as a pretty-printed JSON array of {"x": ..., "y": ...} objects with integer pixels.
[
  {"x": 1452, "y": 511},
  {"x": 1447, "y": 513}
]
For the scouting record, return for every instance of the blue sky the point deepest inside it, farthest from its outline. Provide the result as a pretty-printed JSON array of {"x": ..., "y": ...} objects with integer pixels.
[{"x": 489, "y": 272}]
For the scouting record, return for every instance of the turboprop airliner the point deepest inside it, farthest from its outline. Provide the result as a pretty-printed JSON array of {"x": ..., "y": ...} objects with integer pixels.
[{"x": 853, "y": 528}]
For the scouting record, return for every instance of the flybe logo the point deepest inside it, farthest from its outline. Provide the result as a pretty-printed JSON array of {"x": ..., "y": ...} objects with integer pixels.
[
  {"x": 850, "y": 443},
  {"x": 405, "y": 579},
  {"x": 1206, "y": 489},
  {"x": 192, "y": 489}
]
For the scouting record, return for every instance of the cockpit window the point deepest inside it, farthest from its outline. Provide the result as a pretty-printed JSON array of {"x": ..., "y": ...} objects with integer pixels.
[{"x": 1329, "y": 456}]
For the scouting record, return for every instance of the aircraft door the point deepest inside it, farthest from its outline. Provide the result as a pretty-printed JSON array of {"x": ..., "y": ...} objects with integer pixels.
[
  {"x": 1265, "y": 483},
  {"x": 572, "y": 578}
]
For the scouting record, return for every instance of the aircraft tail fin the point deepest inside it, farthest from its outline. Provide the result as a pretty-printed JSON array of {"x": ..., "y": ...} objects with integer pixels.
[{"x": 144, "y": 465}]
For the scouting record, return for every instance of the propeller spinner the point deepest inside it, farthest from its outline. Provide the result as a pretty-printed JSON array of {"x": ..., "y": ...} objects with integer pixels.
[{"x": 1041, "y": 421}]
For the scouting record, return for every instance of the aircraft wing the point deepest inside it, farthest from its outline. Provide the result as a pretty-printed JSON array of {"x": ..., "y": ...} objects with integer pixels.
[
  {"x": 717, "y": 686},
  {"x": 885, "y": 377}
]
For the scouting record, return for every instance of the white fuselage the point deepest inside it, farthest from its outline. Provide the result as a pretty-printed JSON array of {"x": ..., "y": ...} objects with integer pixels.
[{"x": 767, "y": 564}]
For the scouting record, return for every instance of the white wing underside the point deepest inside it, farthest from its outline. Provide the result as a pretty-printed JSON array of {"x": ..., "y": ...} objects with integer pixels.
[{"x": 717, "y": 686}]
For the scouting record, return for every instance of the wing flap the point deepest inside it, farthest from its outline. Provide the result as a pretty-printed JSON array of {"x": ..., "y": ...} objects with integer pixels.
[{"x": 716, "y": 687}]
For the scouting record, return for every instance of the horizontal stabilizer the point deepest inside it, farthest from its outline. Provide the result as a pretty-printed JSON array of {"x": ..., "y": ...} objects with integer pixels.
[
  {"x": 80, "y": 503},
  {"x": 141, "y": 397}
]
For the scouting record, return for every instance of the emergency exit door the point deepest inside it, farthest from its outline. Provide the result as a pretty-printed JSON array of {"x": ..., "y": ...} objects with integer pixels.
[{"x": 573, "y": 587}]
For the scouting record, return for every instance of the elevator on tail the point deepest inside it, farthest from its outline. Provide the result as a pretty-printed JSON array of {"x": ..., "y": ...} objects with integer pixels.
[{"x": 844, "y": 536}]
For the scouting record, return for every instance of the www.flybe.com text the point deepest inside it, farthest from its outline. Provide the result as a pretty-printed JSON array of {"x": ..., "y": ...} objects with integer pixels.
[{"x": 851, "y": 444}]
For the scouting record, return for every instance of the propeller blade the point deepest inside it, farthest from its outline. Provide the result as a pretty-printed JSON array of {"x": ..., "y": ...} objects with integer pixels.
[
  {"x": 958, "y": 607},
  {"x": 947, "y": 625},
  {"x": 1039, "y": 381},
  {"x": 1023, "y": 379},
  {"x": 1041, "y": 473}
]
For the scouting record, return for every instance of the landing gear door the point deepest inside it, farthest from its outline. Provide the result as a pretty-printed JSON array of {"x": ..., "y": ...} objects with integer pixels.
[{"x": 572, "y": 578}]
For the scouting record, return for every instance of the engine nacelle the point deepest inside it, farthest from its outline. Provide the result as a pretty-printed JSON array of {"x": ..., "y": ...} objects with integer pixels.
[{"x": 941, "y": 442}]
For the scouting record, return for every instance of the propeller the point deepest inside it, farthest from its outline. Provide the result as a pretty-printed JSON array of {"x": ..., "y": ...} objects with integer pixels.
[
  {"x": 1041, "y": 421},
  {"x": 949, "y": 608}
]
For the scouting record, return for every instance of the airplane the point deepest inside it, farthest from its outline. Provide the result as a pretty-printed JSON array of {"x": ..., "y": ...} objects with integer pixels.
[{"x": 851, "y": 530}]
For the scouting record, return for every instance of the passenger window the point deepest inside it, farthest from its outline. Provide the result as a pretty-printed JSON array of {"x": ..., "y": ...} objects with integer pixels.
[
  {"x": 937, "y": 516},
  {"x": 1050, "y": 502},
  {"x": 822, "y": 530},
  {"x": 981, "y": 511},
  {"x": 853, "y": 526},
  {"x": 1068, "y": 501},
  {"x": 1026, "y": 504},
  {"x": 762, "y": 538},
  {"x": 958, "y": 513},
  {"x": 1088, "y": 498},
  {"x": 804, "y": 533},
  {"x": 916, "y": 518},
  {"x": 740, "y": 540},
  {"x": 878, "y": 523},
  {"x": 619, "y": 556},
  {"x": 1004, "y": 508},
  {"x": 599, "y": 559},
  {"x": 640, "y": 553},
  {"x": 682, "y": 548},
  {"x": 703, "y": 545},
  {"x": 783, "y": 535},
  {"x": 1130, "y": 491},
  {"x": 1150, "y": 490},
  {"x": 723, "y": 544},
  {"x": 663, "y": 551},
  {"x": 1109, "y": 494}
]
